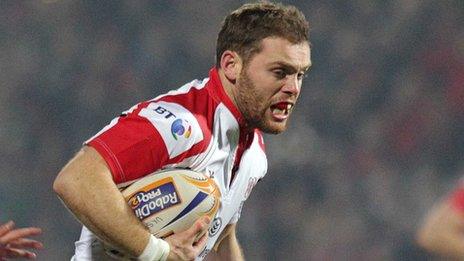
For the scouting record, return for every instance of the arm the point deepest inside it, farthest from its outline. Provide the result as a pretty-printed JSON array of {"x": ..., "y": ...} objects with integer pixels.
[
  {"x": 86, "y": 187},
  {"x": 227, "y": 246},
  {"x": 13, "y": 241},
  {"x": 442, "y": 231}
]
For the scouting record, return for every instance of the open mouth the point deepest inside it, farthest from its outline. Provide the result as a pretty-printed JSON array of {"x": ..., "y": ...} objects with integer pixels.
[{"x": 281, "y": 110}]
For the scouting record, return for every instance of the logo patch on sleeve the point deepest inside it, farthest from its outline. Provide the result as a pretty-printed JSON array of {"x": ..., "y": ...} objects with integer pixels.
[
  {"x": 178, "y": 127},
  {"x": 182, "y": 128}
]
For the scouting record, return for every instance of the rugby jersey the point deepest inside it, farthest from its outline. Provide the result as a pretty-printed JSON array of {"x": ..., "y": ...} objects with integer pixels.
[
  {"x": 456, "y": 197},
  {"x": 196, "y": 126}
]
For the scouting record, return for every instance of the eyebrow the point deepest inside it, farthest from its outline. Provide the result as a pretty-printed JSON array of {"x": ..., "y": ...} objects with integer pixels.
[{"x": 289, "y": 66}]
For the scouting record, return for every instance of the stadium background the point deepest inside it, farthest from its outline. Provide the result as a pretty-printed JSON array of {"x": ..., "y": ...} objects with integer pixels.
[{"x": 376, "y": 137}]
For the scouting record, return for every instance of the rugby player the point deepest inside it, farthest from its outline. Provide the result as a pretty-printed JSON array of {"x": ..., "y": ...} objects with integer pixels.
[{"x": 212, "y": 125}]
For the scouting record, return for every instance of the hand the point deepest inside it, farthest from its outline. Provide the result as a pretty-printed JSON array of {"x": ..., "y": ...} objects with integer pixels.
[
  {"x": 184, "y": 245},
  {"x": 13, "y": 241}
]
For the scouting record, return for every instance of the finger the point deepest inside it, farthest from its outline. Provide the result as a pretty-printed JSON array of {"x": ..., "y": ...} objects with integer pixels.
[
  {"x": 25, "y": 243},
  {"x": 199, "y": 226},
  {"x": 6, "y": 227},
  {"x": 19, "y": 233},
  {"x": 201, "y": 242},
  {"x": 15, "y": 252},
  {"x": 200, "y": 235}
]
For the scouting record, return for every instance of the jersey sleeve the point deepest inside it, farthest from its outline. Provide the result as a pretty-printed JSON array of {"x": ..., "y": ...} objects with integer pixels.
[
  {"x": 145, "y": 138},
  {"x": 456, "y": 197}
]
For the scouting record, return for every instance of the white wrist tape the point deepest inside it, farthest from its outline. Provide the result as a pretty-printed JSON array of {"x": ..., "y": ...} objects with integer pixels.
[{"x": 156, "y": 250}]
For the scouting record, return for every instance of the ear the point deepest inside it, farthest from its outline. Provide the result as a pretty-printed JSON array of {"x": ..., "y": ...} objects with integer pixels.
[{"x": 231, "y": 64}]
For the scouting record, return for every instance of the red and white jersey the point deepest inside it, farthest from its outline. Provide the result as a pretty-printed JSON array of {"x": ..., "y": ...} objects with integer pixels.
[
  {"x": 456, "y": 197},
  {"x": 196, "y": 127}
]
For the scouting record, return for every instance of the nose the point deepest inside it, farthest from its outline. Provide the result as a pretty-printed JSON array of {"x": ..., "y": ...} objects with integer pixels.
[{"x": 292, "y": 85}]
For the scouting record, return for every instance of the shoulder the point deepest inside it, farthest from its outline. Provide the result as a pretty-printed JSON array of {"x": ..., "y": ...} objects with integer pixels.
[
  {"x": 183, "y": 117},
  {"x": 193, "y": 96},
  {"x": 456, "y": 197}
]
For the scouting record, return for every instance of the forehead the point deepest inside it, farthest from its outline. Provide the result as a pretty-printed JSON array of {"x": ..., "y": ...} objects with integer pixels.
[{"x": 280, "y": 50}]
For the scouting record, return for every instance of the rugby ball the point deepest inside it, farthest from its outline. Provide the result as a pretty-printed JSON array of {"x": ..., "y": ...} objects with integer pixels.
[{"x": 171, "y": 200}]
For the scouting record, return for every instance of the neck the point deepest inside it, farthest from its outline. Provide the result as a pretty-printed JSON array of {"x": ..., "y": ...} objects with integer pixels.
[{"x": 229, "y": 87}]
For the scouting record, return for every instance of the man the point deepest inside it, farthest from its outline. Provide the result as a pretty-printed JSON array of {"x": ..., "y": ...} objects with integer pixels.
[
  {"x": 442, "y": 231},
  {"x": 262, "y": 54},
  {"x": 14, "y": 241}
]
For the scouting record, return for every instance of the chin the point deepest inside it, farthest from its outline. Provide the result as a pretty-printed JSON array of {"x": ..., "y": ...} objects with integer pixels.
[{"x": 273, "y": 127}]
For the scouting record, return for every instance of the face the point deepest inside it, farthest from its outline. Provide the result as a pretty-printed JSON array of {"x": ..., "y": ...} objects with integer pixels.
[{"x": 269, "y": 84}]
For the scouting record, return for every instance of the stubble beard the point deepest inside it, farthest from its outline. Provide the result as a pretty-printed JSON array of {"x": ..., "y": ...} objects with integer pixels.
[{"x": 253, "y": 108}]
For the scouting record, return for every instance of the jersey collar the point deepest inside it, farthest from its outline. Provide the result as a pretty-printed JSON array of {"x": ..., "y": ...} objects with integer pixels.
[{"x": 220, "y": 93}]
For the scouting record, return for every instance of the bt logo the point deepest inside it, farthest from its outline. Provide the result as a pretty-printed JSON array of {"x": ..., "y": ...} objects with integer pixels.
[
  {"x": 162, "y": 111},
  {"x": 179, "y": 127}
]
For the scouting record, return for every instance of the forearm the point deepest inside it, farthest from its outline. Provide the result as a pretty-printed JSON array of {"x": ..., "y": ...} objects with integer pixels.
[
  {"x": 96, "y": 202},
  {"x": 227, "y": 247},
  {"x": 111, "y": 220},
  {"x": 232, "y": 250}
]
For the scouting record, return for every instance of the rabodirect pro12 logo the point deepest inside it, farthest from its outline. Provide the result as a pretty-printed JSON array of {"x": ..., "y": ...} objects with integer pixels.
[
  {"x": 154, "y": 199},
  {"x": 181, "y": 128}
]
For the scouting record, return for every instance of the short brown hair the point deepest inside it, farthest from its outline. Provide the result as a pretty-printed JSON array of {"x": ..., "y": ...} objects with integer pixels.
[{"x": 243, "y": 29}]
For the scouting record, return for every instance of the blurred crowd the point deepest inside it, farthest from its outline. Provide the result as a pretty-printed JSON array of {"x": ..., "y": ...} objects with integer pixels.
[{"x": 377, "y": 136}]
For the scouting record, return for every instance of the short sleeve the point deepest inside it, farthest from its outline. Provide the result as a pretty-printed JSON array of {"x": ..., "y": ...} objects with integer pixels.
[
  {"x": 131, "y": 147},
  {"x": 145, "y": 138},
  {"x": 456, "y": 198}
]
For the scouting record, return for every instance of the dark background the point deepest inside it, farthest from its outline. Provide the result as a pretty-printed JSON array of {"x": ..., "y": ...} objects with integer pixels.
[{"x": 376, "y": 138}]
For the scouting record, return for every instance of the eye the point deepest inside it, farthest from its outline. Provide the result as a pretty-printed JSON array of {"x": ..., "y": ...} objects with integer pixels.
[
  {"x": 279, "y": 74},
  {"x": 301, "y": 76}
]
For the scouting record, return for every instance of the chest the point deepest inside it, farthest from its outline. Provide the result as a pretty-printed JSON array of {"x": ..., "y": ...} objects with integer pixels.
[{"x": 235, "y": 163}]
